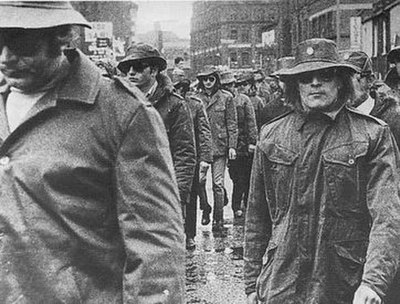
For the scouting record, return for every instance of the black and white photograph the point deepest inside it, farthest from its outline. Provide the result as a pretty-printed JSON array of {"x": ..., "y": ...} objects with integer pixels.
[{"x": 200, "y": 152}]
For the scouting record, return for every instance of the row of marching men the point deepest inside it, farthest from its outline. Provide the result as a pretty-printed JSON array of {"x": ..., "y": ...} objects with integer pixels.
[
  {"x": 210, "y": 125},
  {"x": 236, "y": 107}
]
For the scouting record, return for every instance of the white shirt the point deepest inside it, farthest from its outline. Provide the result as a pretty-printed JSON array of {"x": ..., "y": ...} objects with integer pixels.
[
  {"x": 367, "y": 106},
  {"x": 18, "y": 105}
]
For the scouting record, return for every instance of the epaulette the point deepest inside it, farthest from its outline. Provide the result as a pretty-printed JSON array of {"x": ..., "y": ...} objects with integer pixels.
[
  {"x": 227, "y": 92},
  {"x": 195, "y": 98},
  {"x": 177, "y": 95},
  {"x": 276, "y": 118},
  {"x": 356, "y": 111}
]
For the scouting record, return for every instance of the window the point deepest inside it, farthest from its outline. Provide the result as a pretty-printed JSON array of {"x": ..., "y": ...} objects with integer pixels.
[
  {"x": 234, "y": 34},
  {"x": 245, "y": 35},
  {"x": 233, "y": 57},
  {"x": 245, "y": 59}
]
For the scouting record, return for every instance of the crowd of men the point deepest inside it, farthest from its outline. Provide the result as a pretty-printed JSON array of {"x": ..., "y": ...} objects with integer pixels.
[{"x": 101, "y": 168}]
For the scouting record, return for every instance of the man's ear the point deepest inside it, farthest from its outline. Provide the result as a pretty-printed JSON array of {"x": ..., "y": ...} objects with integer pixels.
[{"x": 154, "y": 71}]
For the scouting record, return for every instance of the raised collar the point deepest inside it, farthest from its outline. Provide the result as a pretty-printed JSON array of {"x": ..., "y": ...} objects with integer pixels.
[
  {"x": 302, "y": 117},
  {"x": 82, "y": 82}
]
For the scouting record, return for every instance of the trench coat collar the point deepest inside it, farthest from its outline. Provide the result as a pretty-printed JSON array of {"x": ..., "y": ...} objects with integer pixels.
[
  {"x": 80, "y": 85},
  {"x": 213, "y": 98}
]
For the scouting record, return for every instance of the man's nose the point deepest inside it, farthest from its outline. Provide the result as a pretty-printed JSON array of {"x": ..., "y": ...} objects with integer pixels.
[
  {"x": 6, "y": 55},
  {"x": 131, "y": 71},
  {"x": 315, "y": 80}
]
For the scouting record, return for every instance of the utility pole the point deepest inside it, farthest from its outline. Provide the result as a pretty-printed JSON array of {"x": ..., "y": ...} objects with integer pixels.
[{"x": 338, "y": 23}]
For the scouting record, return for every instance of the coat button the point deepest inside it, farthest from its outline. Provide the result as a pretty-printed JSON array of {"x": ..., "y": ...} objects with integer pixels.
[
  {"x": 4, "y": 160},
  {"x": 351, "y": 161}
]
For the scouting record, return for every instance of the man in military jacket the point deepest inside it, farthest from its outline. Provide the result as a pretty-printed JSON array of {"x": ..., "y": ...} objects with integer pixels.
[{"x": 322, "y": 221}]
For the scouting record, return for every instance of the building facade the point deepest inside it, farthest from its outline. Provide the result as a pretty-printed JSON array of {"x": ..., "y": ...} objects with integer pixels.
[
  {"x": 381, "y": 28},
  {"x": 118, "y": 19},
  {"x": 236, "y": 34},
  {"x": 338, "y": 20}
]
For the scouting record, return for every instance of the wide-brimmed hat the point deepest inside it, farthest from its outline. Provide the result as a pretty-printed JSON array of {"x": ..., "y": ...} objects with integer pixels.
[
  {"x": 282, "y": 64},
  {"x": 36, "y": 15},
  {"x": 258, "y": 75},
  {"x": 360, "y": 60},
  {"x": 227, "y": 77},
  {"x": 208, "y": 70},
  {"x": 315, "y": 54},
  {"x": 142, "y": 52},
  {"x": 245, "y": 76},
  {"x": 394, "y": 55}
]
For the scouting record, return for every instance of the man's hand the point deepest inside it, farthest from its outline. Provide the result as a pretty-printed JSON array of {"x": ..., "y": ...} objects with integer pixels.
[
  {"x": 252, "y": 298},
  {"x": 232, "y": 153},
  {"x": 251, "y": 148},
  {"x": 365, "y": 295},
  {"x": 204, "y": 165}
]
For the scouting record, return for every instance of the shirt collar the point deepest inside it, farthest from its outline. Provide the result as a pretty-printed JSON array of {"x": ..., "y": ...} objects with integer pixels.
[{"x": 152, "y": 89}]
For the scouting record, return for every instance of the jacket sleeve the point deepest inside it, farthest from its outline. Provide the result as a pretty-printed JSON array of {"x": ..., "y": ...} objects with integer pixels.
[
  {"x": 250, "y": 122},
  {"x": 384, "y": 206},
  {"x": 205, "y": 140},
  {"x": 183, "y": 148},
  {"x": 258, "y": 225},
  {"x": 149, "y": 213},
  {"x": 231, "y": 123}
]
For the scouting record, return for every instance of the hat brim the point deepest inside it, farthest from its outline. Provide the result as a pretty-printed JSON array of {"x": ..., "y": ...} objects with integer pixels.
[
  {"x": 226, "y": 81},
  {"x": 313, "y": 66},
  {"x": 124, "y": 64},
  {"x": 36, "y": 18},
  {"x": 393, "y": 54},
  {"x": 204, "y": 74}
]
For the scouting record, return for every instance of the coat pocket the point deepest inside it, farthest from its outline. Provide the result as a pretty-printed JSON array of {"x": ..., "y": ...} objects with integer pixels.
[
  {"x": 346, "y": 267},
  {"x": 345, "y": 176},
  {"x": 280, "y": 174}
]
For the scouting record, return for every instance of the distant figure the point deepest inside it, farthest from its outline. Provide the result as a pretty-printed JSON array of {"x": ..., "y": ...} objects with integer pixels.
[
  {"x": 221, "y": 112},
  {"x": 392, "y": 78}
]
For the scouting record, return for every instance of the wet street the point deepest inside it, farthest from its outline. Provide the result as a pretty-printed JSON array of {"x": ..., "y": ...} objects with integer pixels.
[{"x": 214, "y": 270}]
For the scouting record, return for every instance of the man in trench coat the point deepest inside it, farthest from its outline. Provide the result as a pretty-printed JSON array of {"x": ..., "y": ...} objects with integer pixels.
[
  {"x": 322, "y": 221},
  {"x": 90, "y": 210}
]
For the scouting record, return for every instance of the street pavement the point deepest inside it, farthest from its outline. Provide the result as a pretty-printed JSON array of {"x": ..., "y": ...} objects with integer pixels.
[{"x": 214, "y": 269}]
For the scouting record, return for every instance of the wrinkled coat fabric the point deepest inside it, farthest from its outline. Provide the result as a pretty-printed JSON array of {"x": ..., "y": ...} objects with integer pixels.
[
  {"x": 221, "y": 112},
  {"x": 323, "y": 209},
  {"x": 90, "y": 211},
  {"x": 179, "y": 124}
]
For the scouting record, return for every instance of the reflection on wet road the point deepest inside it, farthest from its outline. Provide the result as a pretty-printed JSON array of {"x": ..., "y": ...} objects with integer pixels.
[{"x": 214, "y": 270}]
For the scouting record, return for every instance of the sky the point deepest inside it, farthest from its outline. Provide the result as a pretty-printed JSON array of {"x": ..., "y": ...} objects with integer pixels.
[{"x": 173, "y": 15}]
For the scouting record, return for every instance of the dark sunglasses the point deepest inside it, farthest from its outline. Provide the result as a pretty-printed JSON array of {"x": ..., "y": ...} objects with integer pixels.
[
  {"x": 209, "y": 78},
  {"x": 22, "y": 42},
  {"x": 138, "y": 67},
  {"x": 326, "y": 75}
]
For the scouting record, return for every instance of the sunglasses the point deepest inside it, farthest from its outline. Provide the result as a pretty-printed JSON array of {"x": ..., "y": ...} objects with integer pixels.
[
  {"x": 22, "y": 42},
  {"x": 209, "y": 78},
  {"x": 326, "y": 75},
  {"x": 242, "y": 84},
  {"x": 138, "y": 67}
]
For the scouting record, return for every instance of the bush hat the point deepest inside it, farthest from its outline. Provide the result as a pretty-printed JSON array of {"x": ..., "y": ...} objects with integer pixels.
[
  {"x": 315, "y": 54},
  {"x": 282, "y": 64},
  {"x": 394, "y": 55},
  {"x": 37, "y": 15},
  {"x": 258, "y": 75},
  {"x": 227, "y": 77},
  {"x": 208, "y": 70},
  {"x": 360, "y": 60},
  {"x": 142, "y": 52},
  {"x": 246, "y": 76}
]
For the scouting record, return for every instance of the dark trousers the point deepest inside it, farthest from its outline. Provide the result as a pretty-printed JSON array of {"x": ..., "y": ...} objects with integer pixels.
[
  {"x": 239, "y": 171},
  {"x": 191, "y": 208}
]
